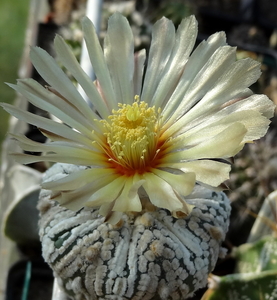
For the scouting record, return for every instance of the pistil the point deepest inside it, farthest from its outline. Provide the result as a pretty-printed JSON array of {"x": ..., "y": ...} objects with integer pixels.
[{"x": 132, "y": 134}]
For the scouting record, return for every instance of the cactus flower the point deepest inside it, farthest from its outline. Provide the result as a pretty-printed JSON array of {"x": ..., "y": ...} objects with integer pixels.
[{"x": 150, "y": 132}]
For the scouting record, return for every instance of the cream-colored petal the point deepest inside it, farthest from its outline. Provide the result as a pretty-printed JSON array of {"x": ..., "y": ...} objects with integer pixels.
[
  {"x": 76, "y": 180},
  {"x": 128, "y": 199},
  {"x": 99, "y": 64},
  {"x": 195, "y": 63},
  {"x": 181, "y": 183},
  {"x": 239, "y": 76},
  {"x": 60, "y": 147},
  {"x": 73, "y": 202},
  {"x": 255, "y": 124},
  {"x": 161, "y": 193},
  {"x": 79, "y": 198},
  {"x": 68, "y": 59},
  {"x": 47, "y": 124},
  {"x": 209, "y": 172},
  {"x": 249, "y": 111},
  {"x": 140, "y": 58},
  {"x": 209, "y": 116},
  {"x": 60, "y": 109},
  {"x": 185, "y": 211},
  {"x": 229, "y": 85},
  {"x": 163, "y": 39},
  {"x": 119, "y": 56},
  {"x": 55, "y": 77},
  {"x": 58, "y": 138},
  {"x": 62, "y": 158},
  {"x": 225, "y": 144},
  {"x": 108, "y": 193},
  {"x": 137, "y": 183},
  {"x": 259, "y": 103},
  {"x": 112, "y": 217},
  {"x": 106, "y": 209},
  {"x": 185, "y": 40},
  {"x": 204, "y": 81},
  {"x": 24, "y": 159}
]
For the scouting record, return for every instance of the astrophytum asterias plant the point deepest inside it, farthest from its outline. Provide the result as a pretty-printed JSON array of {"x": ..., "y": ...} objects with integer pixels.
[{"x": 136, "y": 219}]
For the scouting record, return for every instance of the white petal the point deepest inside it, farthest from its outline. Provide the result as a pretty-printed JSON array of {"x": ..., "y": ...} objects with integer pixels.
[
  {"x": 112, "y": 217},
  {"x": 63, "y": 148},
  {"x": 108, "y": 193},
  {"x": 163, "y": 39},
  {"x": 68, "y": 59},
  {"x": 223, "y": 145},
  {"x": 79, "y": 198},
  {"x": 231, "y": 85},
  {"x": 56, "y": 78},
  {"x": 23, "y": 158},
  {"x": 253, "y": 121},
  {"x": 259, "y": 103},
  {"x": 119, "y": 55},
  {"x": 195, "y": 63},
  {"x": 76, "y": 180},
  {"x": 209, "y": 116},
  {"x": 185, "y": 40},
  {"x": 76, "y": 200},
  {"x": 138, "y": 71},
  {"x": 47, "y": 124},
  {"x": 99, "y": 64},
  {"x": 239, "y": 76},
  {"x": 207, "y": 171},
  {"x": 204, "y": 81},
  {"x": 181, "y": 183},
  {"x": 161, "y": 193},
  {"x": 76, "y": 160},
  {"x": 46, "y": 100},
  {"x": 129, "y": 200}
]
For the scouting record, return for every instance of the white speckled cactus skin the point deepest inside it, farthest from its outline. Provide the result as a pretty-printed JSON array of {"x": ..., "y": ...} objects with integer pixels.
[{"x": 145, "y": 256}]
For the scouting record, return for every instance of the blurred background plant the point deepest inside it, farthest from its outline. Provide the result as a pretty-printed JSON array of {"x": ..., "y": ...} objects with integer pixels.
[{"x": 13, "y": 20}]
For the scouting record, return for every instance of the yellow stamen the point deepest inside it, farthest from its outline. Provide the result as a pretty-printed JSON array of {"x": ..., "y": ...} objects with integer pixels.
[{"x": 131, "y": 135}]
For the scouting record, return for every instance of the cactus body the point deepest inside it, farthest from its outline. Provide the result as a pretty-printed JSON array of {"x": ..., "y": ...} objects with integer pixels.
[{"x": 148, "y": 255}]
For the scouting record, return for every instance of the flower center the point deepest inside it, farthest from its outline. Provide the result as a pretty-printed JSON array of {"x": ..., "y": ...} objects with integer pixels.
[{"x": 131, "y": 135}]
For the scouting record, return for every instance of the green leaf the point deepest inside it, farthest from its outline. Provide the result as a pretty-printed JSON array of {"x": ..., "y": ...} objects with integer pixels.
[
  {"x": 257, "y": 257},
  {"x": 244, "y": 286}
]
